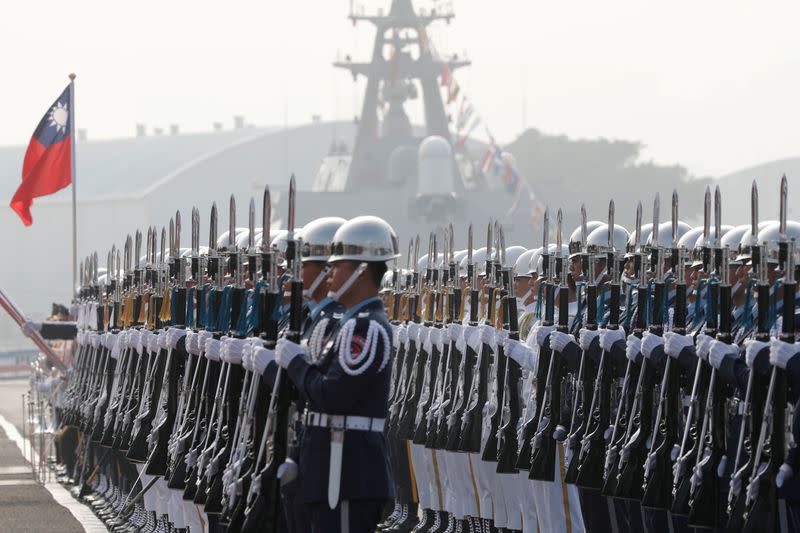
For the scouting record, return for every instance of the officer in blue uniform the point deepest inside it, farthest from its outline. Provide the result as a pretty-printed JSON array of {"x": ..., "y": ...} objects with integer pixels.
[
  {"x": 320, "y": 314},
  {"x": 344, "y": 474}
]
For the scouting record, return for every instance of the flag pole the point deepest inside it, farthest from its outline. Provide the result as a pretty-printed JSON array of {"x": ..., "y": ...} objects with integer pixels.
[{"x": 73, "y": 141}]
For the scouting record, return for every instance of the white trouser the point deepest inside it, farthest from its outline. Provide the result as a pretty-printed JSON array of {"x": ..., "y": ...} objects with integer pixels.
[
  {"x": 513, "y": 498},
  {"x": 175, "y": 508},
  {"x": 499, "y": 497},
  {"x": 557, "y": 513},
  {"x": 464, "y": 484},
  {"x": 162, "y": 492},
  {"x": 420, "y": 465},
  {"x": 195, "y": 520},
  {"x": 150, "y": 497},
  {"x": 484, "y": 475},
  {"x": 528, "y": 502}
]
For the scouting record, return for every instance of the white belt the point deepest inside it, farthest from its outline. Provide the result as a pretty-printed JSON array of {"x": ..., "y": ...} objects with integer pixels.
[{"x": 358, "y": 423}]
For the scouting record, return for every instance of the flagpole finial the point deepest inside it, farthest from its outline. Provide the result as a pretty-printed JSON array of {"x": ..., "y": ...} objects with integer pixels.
[{"x": 72, "y": 76}]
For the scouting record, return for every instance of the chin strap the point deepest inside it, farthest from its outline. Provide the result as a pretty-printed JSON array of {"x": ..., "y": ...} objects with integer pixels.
[
  {"x": 524, "y": 298},
  {"x": 335, "y": 295},
  {"x": 309, "y": 292}
]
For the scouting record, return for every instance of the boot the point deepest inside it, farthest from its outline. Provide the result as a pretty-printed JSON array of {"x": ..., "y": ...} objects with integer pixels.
[{"x": 391, "y": 519}]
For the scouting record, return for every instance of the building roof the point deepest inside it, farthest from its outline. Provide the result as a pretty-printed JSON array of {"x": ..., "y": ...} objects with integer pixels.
[{"x": 135, "y": 166}]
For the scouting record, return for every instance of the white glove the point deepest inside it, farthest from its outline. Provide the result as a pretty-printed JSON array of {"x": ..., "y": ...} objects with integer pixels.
[
  {"x": 780, "y": 352},
  {"x": 286, "y": 351},
  {"x": 261, "y": 358},
  {"x": 402, "y": 335},
  {"x": 212, "y": 350},
  {"x": 610, "y": 336},
  {"x": 162, "y": 340},
  {"x": 586, "y": 337},
  {"x": 413, "y": 331},
  {"x": 94, "y": 338},
  {"x": 435, "y": 338},
  {"x": 174, "y": 335},
  {"x": 514, "y": 349},
  {"x": 650, "y": 342},
  {"x": 675, "y": 343},
  {"x": 559, "y": 341},
  {"x": 500, "y": 336},
  {"x": 455, "y": 332},
  {"x": 752, "y": 348},
  {"x": 527, "y": 357},
  {"x": 135, "y": 340},
  {"x": 703, "y": 345},
  {"x": 233, "y": 350},
  {"x": 719, "y": 351},
  {"x": 541, "y": 334},
  {"x": 633, "y": 347},
  {"x": 487, "y": 334},
  {"x": 473, "y": 337},
  {"x": 785, "y": 473}
]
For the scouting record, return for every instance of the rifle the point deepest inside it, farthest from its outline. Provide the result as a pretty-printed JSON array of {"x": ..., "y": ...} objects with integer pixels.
[
  {"x": 529, "y": 429},
  {"x": 468, "y": 359},
  {"x": 498, "y": 372},
  {"x": 690, "y": 443},
  {"x": 138, "y": 449},
  {"x": 587, "y": 371},
  {"x": 472, "y": 421},
  {"x": 627, "y": 399},
  {"x": 507, "y": 445},
  {"x": 232, "y": 389},
  {"x": 593, "y": 443},
  {"x": 266, "y": 500},
  {"x": 632, "y": 457},
  {"x": 762, "y": 493},
  {"x": 543, "y": 459},
  {"x": 705, "y": 505},
  {"x": 657, "y": 491},
  {"x": 756, "y": 383}
]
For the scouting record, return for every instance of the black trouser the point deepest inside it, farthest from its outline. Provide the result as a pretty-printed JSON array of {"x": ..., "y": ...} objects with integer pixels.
[{"x": 350, "y": 516}]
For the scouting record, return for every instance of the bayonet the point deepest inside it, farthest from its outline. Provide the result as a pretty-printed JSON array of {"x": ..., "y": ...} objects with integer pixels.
[
  {"x": 638, "y": 231},
  {"x": 754, "y": 212},
  {"x": 717, "y": 216},
  {"x": 251, "y": 226},
  {"x": 177, "y": 233},
  {"x": 195, "y": 232},
  {"x": 783, "y": 209},
  {"x": 266, "y": 221},
  {"x": 502, "y": 247},
  {"x": 232, "y": 224},
  {"x": 674, "y": 218},
  {"x": 172, "y": 254},
  {"x": 137, "y": 249},
  {"x": 292, "y": 199},
  {"x": 656, "y": 218},
  {"x": 584, "y": 232},
  {"x": 410, "y": 255},
  {"x": 706, "y": 216}
]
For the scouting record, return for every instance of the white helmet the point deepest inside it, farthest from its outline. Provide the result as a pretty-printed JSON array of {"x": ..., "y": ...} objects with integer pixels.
[
  {"x": 575, "y": 244},
  {"x": 733, "y": 239},
  {"x": 522, "y": 268},
  {"x": 647, "y": 230},
  {"x": 513, "y": 253},
  {"x": 771, "y": 235},
  {"x": 690, "y": 237},
  {"x": 242, "y": 239},
  {"x": 365, "y": 238},
  {"x": 317, "y": 237},
  {"x": 478, "y": 259},
  {"x": 665, "y": 233},
  {"x": 597, "y": 240}
]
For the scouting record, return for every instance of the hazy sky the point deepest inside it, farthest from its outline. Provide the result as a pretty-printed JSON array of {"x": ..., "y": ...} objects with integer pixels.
[{"x": 709, "y": 84}]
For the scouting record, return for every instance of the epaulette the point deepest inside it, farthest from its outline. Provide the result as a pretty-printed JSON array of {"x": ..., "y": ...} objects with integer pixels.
[{"x": 358, "y": 352}]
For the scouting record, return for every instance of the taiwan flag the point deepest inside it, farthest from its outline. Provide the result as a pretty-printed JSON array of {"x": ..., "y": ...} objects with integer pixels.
[{"x": 47, "y": 167}]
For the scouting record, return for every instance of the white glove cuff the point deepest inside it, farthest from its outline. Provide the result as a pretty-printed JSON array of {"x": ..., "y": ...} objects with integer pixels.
[{"x": 752, "y": 349}]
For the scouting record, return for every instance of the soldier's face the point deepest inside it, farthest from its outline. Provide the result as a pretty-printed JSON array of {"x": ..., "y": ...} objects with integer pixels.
[
  {"x": 575, "y": 268},
  {"x": 309, "y": 273},
  {"x": 340, "y": 272},
  {"x": 521, "y": 286}
]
